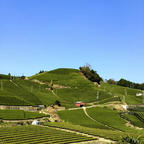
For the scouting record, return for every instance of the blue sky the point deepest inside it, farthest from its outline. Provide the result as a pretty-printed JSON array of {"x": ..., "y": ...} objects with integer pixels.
[{"x": 47, "y": 34}]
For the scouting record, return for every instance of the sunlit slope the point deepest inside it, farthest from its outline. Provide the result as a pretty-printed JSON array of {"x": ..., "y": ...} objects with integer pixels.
[
  {"x": 72, "y": 86},
  {"x": 69, "y": 86},
  {"x": 127, "y": 95},
  {"x": 103, "y": 118},
  {"x": 24, "y": 92},
  {"x": 78, "y": 117},
  {"x": 77, "y": 88}
]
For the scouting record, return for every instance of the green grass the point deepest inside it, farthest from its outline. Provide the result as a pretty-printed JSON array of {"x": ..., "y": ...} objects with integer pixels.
[
  {"x": 112, "y": 118},
  {"x": 81, "y": 89},
  {"x": 130, "y": 94},
  {"x": 25, "y": 92},
  {"x": 19, "y": 115},
  {"x": 38, "y": 135},
  {"x": 77, "y": 88},
  {"x": 2, "y": 76},
  {"x": 105, "y": 133},
  {"x": 134, "y": 120},
  {"x": 112, "y": 99},
  {"x": 109, "y": 119},
  {"x": 78, "y": 117},
  {"x": 106, "y": 116},
  {"x": 136, "y": 109},
  {"x": 40, "y": 92}
]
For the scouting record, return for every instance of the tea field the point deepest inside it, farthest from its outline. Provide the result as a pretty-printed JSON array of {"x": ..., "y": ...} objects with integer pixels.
[
  {"x": 19, "y": 115},
  {"x": 38, "y": 135}
]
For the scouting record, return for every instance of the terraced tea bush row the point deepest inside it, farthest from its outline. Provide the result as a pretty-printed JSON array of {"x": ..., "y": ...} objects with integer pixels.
[
  {"x": 109, "y": 100},
  {"x": 130, "y": 94},
  {"x": 19, "y": 115},
  {"x": 38, "y": 135},
  {"x": 141, "y": 114},
  {"x": 136, "y": 109},
  {"x": 105, "y": 133},
  {"x": 78, "y": 117},
  {"x": 76, "y": 88}
]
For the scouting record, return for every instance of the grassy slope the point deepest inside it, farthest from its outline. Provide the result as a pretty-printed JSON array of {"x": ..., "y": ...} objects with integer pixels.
[
  {"x": 26, "y": 92},
  {"x": 78, "y": 88},
  {"x": 78, "y": 117},
  {"x": 19, "y": 115},
  {"x": 134, "y": 120},
  {"x": 107, "y": 116},
  {"x": 38, "y": 135},
  {"x": 109, "y": 134},
  {"x": 116, "y": 90},
  {"x": 2, "y": 76},
  {"x": 103, "y": 115}
]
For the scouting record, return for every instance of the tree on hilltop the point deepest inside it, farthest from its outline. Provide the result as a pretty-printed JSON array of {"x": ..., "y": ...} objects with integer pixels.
[{"x": 90, "y": 74}]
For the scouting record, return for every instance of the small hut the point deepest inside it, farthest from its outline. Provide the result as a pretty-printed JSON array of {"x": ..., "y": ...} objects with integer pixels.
[
  {"x": 79, "y": 104},
  {"x": 139, "y": 94},
  {"x": 36, "y": 122}
]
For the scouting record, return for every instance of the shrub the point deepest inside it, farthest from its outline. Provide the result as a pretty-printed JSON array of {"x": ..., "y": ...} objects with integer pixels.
[
  {"x": 130, "y": 140},
  {"x": 126, "y": 83},
  {"x": 90, "y": 74},
  {"x": 57, "y": 103},
  {"x": 22, "y": 77},
  {"x": 111, "y": 81}
]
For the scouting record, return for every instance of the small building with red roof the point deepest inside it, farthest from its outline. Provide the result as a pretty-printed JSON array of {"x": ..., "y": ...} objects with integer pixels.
[{"x": 79, "y": 104}]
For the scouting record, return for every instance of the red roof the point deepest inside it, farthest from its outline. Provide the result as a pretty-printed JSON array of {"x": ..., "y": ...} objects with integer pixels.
[{"x": 78, "y": 104}]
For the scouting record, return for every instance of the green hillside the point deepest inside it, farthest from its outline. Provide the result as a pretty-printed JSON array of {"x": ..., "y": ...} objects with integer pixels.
[
  {"x": 104, "y": 120},
  {"x": 19, "y": 115},
  {"x": 128, "y": 93},
  {"x": 69, "y": 86},
  {"x": 78, "y": 88},
  {"x": 38, "y": 135},
  {"x": 24, "y": 92},
  {"x": 2, "y": 76}
]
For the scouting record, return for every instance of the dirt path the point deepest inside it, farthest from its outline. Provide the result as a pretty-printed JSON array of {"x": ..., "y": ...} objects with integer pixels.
[
  {"x": 14, "y": 83},
  {"x": 15, "y": 121},
  {"x": 98, "y": 141},
  {"x": 84, "y": 109},
  {"x": 55, "y": 94}
]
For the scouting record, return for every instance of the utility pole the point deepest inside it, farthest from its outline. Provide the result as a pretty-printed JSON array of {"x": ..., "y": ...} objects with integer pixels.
[
  {"x": 31, "y": 89},
  {"x": 125, "y": 95},
  {"x": 123, "y": 99},
  {"x": 143, "y": 98},
  {"x": 24, "y": 115},
  {"x": 126, "y": 92},
  {"x": 97, "y": 98},
  {"x": 104, "y": 88},
  {"x": 1, "y": 85}
]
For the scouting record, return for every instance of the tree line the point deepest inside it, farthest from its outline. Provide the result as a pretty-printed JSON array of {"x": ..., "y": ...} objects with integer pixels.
[
  {"x": 126, "y": 83},
  {"x": 90, "y": 74}
]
